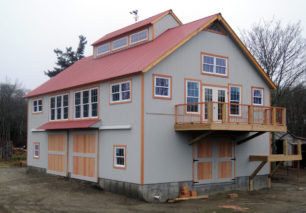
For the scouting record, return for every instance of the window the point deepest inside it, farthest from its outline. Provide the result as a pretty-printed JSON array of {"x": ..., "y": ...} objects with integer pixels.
[
  {"x": 216, "y": 65},
  {"x": 120, "y": 156},
  {"x": 36, "y": 149},
  {"x": 162, "y": 86},
  {"x": 37, "y": 105},
  {"x": 193, "y": 96},
  {"x": 139, "y": 36},
  {"x": 86, "y": 103},
  {"x": 104, "y": 48},
  {"x": 119, "y": 43},
  {"x": 257, "y": 95},
  {"x": 59, "y": 107},
  {"x": 235, "y": 100},
  {"x": 121, "y": 92}
]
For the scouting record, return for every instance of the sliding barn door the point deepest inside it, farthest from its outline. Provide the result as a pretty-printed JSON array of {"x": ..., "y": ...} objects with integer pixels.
[
  {"x": 57, "y": 155},
  {"x": 84, "y": 157}
]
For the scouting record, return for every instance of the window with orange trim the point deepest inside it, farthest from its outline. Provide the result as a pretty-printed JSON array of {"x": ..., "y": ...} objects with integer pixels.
[
  {"x": 139, "y": 36},
  {"x": 235, "y": 100},
  {"x": 86, "y": 103},
  {"x": 257, "y": 96},
  {"x": 119, "y": 156},
  {"x": 121, "y": 92},
  {"x": 36, "y": 150},
  {"x": 59, "y": 107},
  {"x": 192, "y": 96},
  {"x": 214, "y": 65},
  {"x": 162, "y": 86}
]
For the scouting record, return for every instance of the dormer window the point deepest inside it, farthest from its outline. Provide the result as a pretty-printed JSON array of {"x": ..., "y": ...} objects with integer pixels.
[
  {"x": 139, "y": 36},
  {"x": 104, "y": 48},
  {"x": 120, "y": 43}
]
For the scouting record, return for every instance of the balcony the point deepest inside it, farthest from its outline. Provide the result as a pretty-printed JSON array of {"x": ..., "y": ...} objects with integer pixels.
[{"x": 220, "y": 116}]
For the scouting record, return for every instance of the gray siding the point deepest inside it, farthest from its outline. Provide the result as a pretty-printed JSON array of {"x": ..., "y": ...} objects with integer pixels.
[
  {"x": 168, "y": 158},
  {"x": 164, "y": 24}
]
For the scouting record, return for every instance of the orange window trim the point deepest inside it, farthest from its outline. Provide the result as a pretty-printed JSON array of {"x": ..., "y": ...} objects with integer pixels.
[
  {"x": 80, "y": 90},
  {"x": 110, "y": 92},
  {"x": 185, "y": 94},
  {"x": 36, "y": 157},
  {"x": 102, "y": 54},
  {"x": 114, "y": 149},
  {"x": 153, "y": 90},
  {"x": 229, "y": 98},
  {"x": 42, "y": 106},
  {"x": 49, "y": 111},
  {"x": 214, "y": 85},
  {"x": 132, "y": 44},
  {"x": 263, "y": 95},
  {"x": 214, "y": 74}
]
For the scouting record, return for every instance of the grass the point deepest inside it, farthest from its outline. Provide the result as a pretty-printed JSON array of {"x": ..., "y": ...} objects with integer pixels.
[{"x": 20, "y": 157}]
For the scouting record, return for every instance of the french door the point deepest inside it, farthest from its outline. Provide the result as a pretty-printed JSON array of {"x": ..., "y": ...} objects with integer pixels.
[{"x": 214, "y": 97}]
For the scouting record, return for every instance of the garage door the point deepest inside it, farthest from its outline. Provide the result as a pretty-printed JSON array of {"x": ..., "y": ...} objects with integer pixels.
[
  {"x": 84, "y": 157},
  {"x": 57, "y": 155}
]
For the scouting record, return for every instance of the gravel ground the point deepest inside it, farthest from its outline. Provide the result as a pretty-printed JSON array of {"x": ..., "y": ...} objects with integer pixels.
[{"x": 28, "y": 192}]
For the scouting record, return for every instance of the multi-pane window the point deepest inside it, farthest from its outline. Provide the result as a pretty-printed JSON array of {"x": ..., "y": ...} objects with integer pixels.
[
  {"x": 139, "y": 36},
  {"x": 119, "y": 43},
  {"x": 119, "y": 156},
  {"x": 162, "y": 86},
  {"x": 214, "y": 65},
  {"x": 121, "y": 92},
  {"x": 59, "y": 107},
  {"x": 208, "y": 98},
  {"x": 86, "y": 103},
  {"x": 235, "y": 100},
  {"x": 104, "y": 48},
  {"x": 37, "y": 105},
  {"x": 257, "y": 96},
  {"x": 192, "y": 96},
  {"x": 221, "y": 99},
  {"x": 36, "y": 150}
]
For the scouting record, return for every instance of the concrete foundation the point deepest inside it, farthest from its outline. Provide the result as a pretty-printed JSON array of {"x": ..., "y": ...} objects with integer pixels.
[
  {"x": 164, "y": 191},
  {"x": 34, "y": 169}
]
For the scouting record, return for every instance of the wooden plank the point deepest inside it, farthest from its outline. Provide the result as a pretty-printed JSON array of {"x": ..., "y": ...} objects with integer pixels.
[
  {"x": 189, "y": 198},
  {"x": 285, "y": 147},
  {"x": 204, "y": 170},
  {"x": 224, "y": 169},
  {"x": 225, "y": 149},
  {"x": 258, "y": 169},
  {"x": 200, "y": 137},
  {"x": 205, "y": 149},
  {"x": 273, "y": 158}
]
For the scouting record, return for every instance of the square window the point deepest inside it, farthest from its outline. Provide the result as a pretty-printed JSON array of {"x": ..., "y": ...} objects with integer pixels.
[
  {"x": 120, "y": 92},
  {"x": 162, "y": 86},
  {"x": 37, "y": 106}
]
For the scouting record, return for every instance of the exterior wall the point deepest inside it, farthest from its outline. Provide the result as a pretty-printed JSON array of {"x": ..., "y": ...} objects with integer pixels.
[
  {"x": 174, "y": 160},
  {"x": 164, "y": 24},
  {"x": 110, "y": 115}
]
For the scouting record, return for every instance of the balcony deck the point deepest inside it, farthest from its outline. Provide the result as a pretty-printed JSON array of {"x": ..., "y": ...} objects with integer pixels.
[{"x": 219, "y": 116}]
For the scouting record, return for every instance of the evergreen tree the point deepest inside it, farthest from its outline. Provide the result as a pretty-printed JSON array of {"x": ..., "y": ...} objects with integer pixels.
[{"x": 66, "y": 59}]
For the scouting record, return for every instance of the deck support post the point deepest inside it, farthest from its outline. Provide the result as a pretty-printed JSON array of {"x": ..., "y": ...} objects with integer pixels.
[
  {"x": 251, "y": 183},
  {"x": 273, "y": 172}
]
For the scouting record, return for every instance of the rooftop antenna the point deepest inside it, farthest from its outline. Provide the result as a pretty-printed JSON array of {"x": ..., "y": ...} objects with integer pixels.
[{"x": 135, "y": 13}]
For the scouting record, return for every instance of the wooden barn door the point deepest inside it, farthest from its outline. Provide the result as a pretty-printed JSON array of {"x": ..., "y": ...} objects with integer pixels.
[
  {"x": 213, "y": 162},
  {"x": 57, "y": 155},
  {"x": 84, "y": 157}
]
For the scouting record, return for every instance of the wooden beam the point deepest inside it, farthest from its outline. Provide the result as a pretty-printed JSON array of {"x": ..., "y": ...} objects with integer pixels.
[
  {"x": 285, "y": 147},
  {"x": 251, "y": 184},
  {"x": 200, "y": 137},
  {"x": 273, "y": 158},
  {"x": 250, "y": 137},
  {"x": 299, "y": 147}
]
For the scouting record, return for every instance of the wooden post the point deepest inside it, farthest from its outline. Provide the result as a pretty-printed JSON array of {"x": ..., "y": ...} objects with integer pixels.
[
  {"x": 223, "y": 113},
  {"x": 272, "y": 173},
  {"x": 251, "y": 186},
  {"x": 285, "y": 147},
  {"x": 274, "y": 115},
  {"x": 251, "y": 119},
  {"x": 209, "y": 112},
  {"x": 299, "y": 147}
]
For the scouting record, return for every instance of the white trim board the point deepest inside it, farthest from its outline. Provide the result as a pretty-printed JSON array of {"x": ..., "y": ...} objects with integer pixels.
[{"x": 115, "y": 127}]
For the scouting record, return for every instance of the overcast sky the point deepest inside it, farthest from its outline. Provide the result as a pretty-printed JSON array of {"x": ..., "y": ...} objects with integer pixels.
[{"x": 31, "y": 29}]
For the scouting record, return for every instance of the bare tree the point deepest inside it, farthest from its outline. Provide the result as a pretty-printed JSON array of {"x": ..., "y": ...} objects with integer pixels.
[{"x": 280, "y": 51}]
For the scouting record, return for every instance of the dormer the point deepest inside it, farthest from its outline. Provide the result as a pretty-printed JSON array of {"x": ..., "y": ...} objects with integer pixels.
[{"x": 136, "y": 34}]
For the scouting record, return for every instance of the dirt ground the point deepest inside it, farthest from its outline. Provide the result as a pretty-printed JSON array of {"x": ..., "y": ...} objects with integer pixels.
[{"x": 24, "y": 192}]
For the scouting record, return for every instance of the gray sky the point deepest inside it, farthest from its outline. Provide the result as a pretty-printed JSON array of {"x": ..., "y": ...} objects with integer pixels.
[{"x": 31, "y": 29}]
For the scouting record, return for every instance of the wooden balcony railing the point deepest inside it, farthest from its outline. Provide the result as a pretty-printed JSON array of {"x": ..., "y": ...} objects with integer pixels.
[{"x": 229, "y": 116}]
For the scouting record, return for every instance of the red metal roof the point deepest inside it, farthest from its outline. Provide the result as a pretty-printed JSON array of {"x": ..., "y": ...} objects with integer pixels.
[
  {"x": 79, "y": 124},
  {"x": 130, "y": 28},
  {"x": 126, "y": 62}
]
